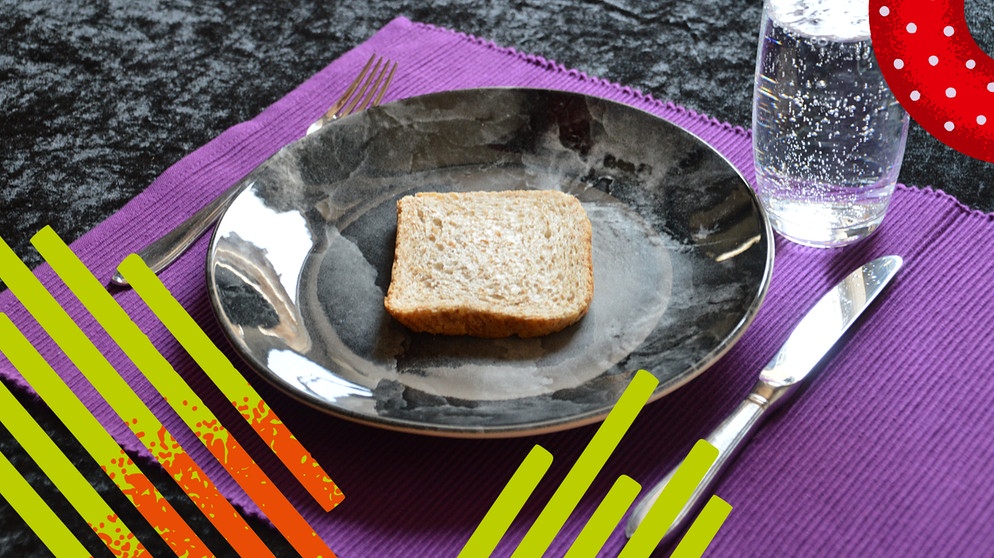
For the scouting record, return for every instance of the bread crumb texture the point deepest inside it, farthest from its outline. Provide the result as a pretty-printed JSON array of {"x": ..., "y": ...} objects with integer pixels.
[{"x": 491, "y": 264}]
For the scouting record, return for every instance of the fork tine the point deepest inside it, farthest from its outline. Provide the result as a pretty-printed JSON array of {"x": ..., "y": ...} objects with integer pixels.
[
  {"x": 351, "y": 89},
  {"x": 386, "y": 84},
  {"x": 369, "y": 79},
  {"x": 351, "y": 106},
  {"x": 378, "y": 89}
]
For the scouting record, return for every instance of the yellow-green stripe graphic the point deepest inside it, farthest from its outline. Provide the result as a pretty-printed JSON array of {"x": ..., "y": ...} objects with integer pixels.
[
  {"x": 130, "y": 408},
  {"x": 232, "y": 384},
  {"x": 671, "y": 500},
  {"x": 612, "y": 508},
  {"x": 702, "y": 531},
  {"x": 64, "y": 475},
  {"x": 605, "y": 518},
  {"x": 40, "y": 518},
  {"x": 590, "y": 462},
  {"x": 96, "y": 441},
  {"x": 190, "y": 408},
  {"x": 508, "y": 504}
]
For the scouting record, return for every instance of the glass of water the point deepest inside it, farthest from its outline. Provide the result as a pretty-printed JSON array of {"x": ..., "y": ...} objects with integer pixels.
[{"x": 828, "y": 134}]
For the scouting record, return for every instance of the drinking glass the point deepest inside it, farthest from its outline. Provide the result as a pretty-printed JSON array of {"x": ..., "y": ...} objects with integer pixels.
[{"x": 828, "y": 134}]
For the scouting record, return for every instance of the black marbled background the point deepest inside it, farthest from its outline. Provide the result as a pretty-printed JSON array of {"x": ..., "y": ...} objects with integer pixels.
[{"x": 97, "y": 98}]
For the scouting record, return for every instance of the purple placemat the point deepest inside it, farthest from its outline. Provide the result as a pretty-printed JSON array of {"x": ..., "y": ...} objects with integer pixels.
[{"x": 887, "y": 453}]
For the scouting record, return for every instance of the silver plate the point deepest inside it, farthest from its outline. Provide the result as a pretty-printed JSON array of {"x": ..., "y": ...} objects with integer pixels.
[{"x": 299, "y": 264}]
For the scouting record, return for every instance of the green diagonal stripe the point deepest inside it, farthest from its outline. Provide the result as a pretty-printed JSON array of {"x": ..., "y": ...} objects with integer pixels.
[
  {"x": 163, "y": 377},
  {"x": 508, "y": 504},
  {"x": 88, "y": 359},
  {"x": 60, "y": 470},
  {"x": 605, "y": 518},
  {"x": 671, "y": 500},
  {"x": 590, "y": 462},
  {"x": 56, "y": 394},
  {"x": 70, "y": 338},
  {"x": 186, "y": 330},
  {"x": 84, "y": 426},
  {"x": 122, "y": 329},
  {"x": 266, "y": 424},
  {"x": 40, "y": 518},
  {"x": 702, "y": 531}
]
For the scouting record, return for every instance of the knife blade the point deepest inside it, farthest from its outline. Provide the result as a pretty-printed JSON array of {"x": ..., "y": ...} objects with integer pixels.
[{"x": 812, "y": 338}]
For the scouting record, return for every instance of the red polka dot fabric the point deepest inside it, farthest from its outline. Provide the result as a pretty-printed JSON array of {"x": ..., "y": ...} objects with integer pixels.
[{"x": 937, "y": 71}]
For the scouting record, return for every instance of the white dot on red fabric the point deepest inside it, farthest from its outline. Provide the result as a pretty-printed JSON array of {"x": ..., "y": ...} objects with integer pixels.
[
  {"x": 990, "y": 87},
  {"x": 950, "y": 92},
  {"x": 949, "y": 126},
  {"x": 898, "y": 63},
  {"x": 948, "y": 31},
  {"x": 884, "y": 11},
  {"x": 971, "y": 64},
  {"x": 981, "y": 120},
  {"x": 933, "y": 60},
  {"x": 915, "y": 95},
  {"x": 912, "y": 27}
]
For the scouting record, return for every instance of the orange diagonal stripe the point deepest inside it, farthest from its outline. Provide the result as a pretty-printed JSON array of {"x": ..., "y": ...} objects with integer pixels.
[
  {"x": 234, "y": 386},
  {"x": 183, "y": 400}
]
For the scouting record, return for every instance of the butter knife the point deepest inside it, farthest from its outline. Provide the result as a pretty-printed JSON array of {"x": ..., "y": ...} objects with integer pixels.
[{"x": 811, "y": 339}]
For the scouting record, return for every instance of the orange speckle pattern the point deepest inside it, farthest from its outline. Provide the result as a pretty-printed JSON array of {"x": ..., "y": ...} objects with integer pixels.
[
  {"x": 293, "y": 454},
  {"x": 196, "y": 484},
  {"x": 120, "y": 541},
  {"x": 260, "y": 488},
  {"x": 154, "y": 508}
]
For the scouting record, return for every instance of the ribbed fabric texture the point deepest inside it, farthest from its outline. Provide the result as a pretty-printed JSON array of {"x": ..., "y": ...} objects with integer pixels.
[{"x": 889, "y": 451}]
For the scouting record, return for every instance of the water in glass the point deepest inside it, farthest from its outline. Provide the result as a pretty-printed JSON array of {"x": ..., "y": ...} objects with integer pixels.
[{"x": 828, "y": 134}]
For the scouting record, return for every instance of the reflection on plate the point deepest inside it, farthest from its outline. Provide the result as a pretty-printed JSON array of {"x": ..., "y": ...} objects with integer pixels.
[{"x": 300, "y": 263}]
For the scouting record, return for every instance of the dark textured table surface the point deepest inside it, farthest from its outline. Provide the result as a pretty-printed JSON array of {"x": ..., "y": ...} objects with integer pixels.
[{"x": 98, "y": 98}]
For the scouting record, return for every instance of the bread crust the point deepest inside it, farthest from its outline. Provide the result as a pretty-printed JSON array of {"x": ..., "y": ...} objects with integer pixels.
[{"x": 500, "y": 238}]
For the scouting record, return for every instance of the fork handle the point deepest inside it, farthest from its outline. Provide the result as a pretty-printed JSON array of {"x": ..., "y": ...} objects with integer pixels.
[
  {"x": 164, "y": 251},
  {"x": 170, "y": 246}
]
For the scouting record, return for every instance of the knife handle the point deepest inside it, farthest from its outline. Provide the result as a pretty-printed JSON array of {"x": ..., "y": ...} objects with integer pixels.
[{"x": 728, "y": 437}]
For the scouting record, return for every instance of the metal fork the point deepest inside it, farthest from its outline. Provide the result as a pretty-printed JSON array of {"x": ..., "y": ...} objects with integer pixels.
[{"x": 365, "y": 91}]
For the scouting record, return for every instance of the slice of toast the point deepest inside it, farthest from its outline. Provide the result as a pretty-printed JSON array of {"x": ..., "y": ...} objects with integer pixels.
[{"x": 491, "y": 264}]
